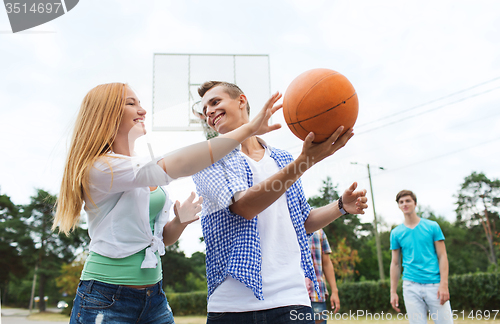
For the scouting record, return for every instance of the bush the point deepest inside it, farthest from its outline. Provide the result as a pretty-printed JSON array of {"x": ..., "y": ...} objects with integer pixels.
[
  {"x": 192, "y": 303},
  {"x": 370, "y": 296},
  {"x": 478, "y": 291}
]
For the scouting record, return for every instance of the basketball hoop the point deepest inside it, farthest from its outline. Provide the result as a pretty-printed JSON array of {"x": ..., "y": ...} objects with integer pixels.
[{"x": 209, "y": 132}]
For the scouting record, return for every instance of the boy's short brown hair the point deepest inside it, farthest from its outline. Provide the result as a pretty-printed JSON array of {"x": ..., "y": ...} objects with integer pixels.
[
  {"x": 231, "y": 89},
  {"x": 403, "y": 193}
]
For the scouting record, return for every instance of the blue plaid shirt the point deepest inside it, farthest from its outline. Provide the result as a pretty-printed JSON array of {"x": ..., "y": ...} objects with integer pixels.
[{"x": 233, "y": 242}]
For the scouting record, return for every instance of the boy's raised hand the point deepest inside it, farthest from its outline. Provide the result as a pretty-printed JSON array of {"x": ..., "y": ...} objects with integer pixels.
[
  {"x": 355, "y": 201},
  {"x": 316, "y": 152}
]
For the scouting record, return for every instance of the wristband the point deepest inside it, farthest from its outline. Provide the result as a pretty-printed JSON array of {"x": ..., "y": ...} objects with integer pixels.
[
  {"x": 341, "y": 207},
  {"x": 210, "y": 150}
]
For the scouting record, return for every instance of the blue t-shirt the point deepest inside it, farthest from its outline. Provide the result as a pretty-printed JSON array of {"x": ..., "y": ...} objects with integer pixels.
[{"x": 420, "y": 261}]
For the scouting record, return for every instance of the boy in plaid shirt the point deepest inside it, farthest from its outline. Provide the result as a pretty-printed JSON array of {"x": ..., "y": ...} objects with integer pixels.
[
  {"x": 255, "y": 218},
  {"x": 323, "y": 266}
]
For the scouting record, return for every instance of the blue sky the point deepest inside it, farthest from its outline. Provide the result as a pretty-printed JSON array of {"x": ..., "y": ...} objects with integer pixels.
[{"x": 401, "y": 57}]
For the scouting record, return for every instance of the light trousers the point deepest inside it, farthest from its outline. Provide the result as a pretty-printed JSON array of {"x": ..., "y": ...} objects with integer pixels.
[{"x": 420, "y": 298}]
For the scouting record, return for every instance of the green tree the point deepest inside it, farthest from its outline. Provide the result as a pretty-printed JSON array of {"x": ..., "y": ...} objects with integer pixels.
[
  {"x": 344, "y": 260},
  {"x": 368, "y": 266},
  {"x": 183, "y": 274},
  {"x": 478, "y": 205},
  {"x": 68, "y": 280},
  {"x": 48, "y": 250},
  {"x": 198, "y": 262},
  {"x": 69, "y": 277},
  {"x": 13, "y": 231}
]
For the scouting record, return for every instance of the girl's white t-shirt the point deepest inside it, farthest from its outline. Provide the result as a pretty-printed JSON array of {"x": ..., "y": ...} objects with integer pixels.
[
  {"x": 283, "y": 279},
  {"x": 117, "y": 207}
]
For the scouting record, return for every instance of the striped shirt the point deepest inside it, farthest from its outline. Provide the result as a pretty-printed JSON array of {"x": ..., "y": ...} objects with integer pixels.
[{"x": 319, "y": 245}]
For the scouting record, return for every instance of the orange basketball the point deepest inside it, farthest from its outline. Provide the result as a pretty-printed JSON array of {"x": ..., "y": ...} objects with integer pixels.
[{"x": 319, "y": 101}]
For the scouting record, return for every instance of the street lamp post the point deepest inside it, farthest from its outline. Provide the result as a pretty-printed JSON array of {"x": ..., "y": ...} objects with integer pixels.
[{"x": 375, "y": 226}]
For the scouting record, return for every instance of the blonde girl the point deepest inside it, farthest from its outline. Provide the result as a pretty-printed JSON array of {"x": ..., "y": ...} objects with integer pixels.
[{"x": 127, "y": 204}]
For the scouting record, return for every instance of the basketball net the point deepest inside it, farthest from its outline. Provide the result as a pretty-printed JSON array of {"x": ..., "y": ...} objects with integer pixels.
[{"x": 209, "y": 132}]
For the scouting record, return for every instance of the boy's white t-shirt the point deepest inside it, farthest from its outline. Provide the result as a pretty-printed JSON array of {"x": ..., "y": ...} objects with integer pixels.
[{"x": 283, "y": 278}]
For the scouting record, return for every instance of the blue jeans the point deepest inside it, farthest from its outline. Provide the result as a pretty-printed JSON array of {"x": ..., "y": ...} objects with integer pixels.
[
  {"x": 297, "y": 314},
  {"x": 98, "y": 302},
  {"x": 320, "y": 311},
  {"x": 422, "y": 297}
]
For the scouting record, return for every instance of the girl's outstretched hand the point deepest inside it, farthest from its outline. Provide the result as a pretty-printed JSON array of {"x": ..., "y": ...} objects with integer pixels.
[
  {"x": 259, "y": 124},
  {"x": 187, "y": 212}
]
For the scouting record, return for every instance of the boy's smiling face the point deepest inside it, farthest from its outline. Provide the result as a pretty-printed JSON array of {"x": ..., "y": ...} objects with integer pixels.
[{"x": 223, "y": 113}]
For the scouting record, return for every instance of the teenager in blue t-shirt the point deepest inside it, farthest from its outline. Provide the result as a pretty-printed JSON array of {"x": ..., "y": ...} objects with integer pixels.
[{"x": 425, "y": 263}]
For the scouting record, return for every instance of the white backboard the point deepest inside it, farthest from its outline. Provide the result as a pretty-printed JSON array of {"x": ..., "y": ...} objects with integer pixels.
[{"x": 176, "y": 78}]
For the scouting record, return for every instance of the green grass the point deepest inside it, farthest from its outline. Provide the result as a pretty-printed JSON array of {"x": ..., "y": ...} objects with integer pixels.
[
  {"x": 190, "y": 319},
  {"x": 55, "y": 317},
  {"x": 48, "y": 316},
  {"x": 360, "y": 320}
]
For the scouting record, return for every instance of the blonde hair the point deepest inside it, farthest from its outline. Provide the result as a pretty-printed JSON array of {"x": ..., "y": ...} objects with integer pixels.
[{"x": 95, "y": 131}]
